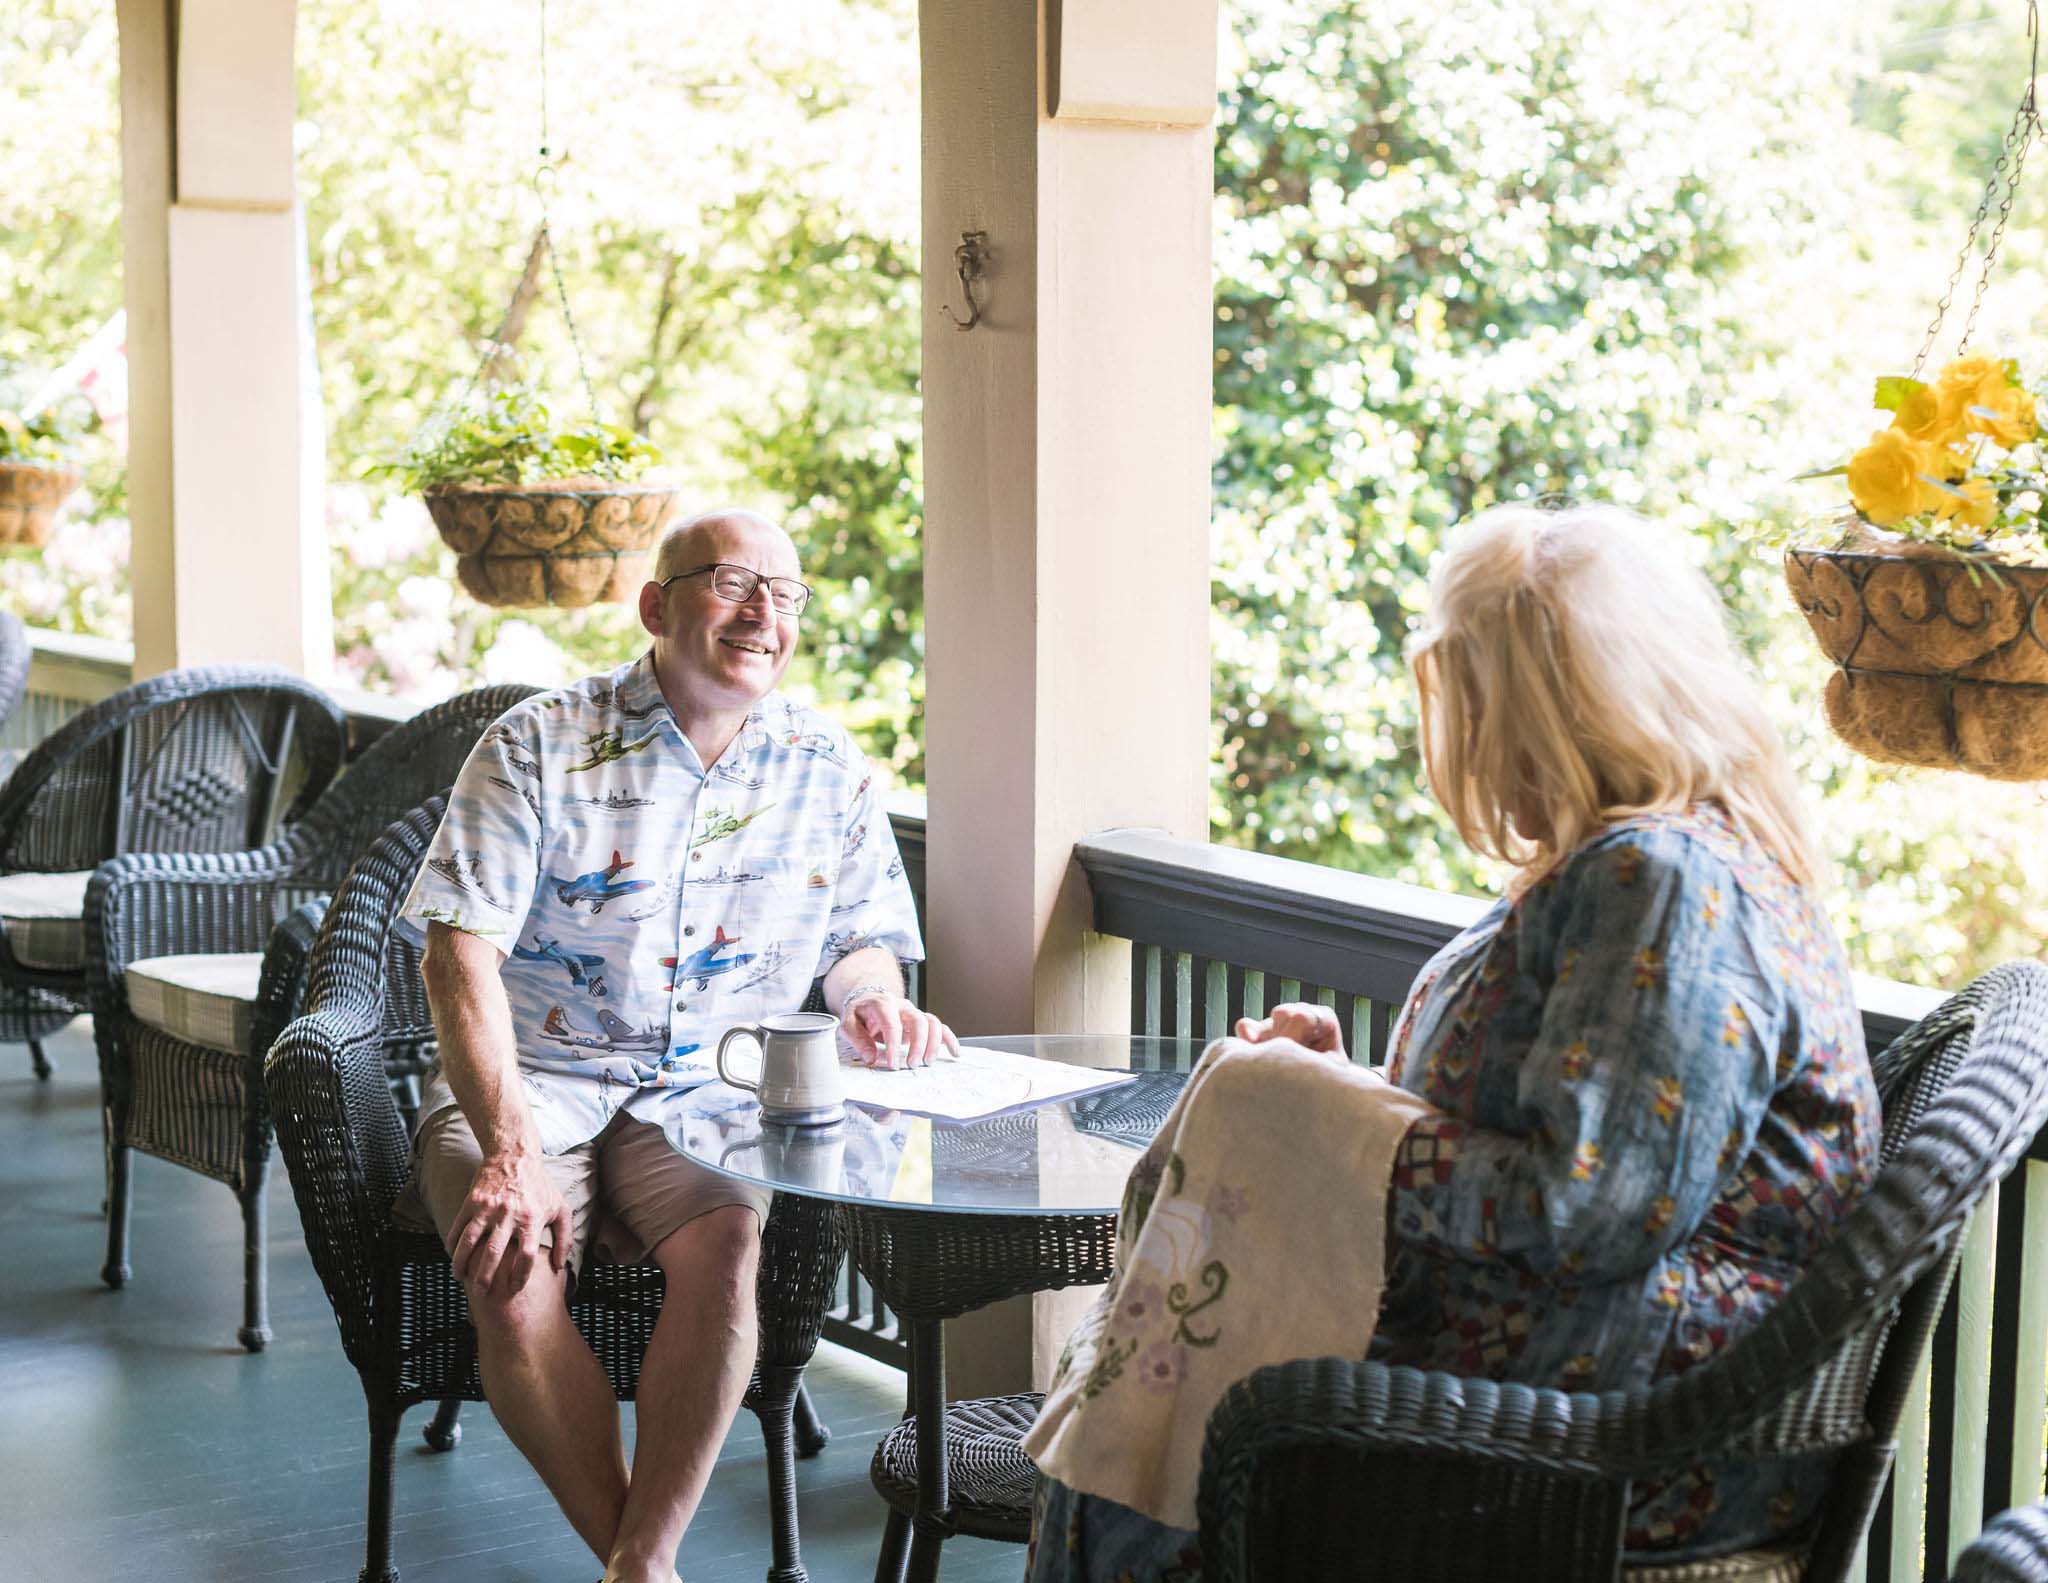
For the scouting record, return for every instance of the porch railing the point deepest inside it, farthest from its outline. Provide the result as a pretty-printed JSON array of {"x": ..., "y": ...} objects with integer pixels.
[{"x": 1217, "y": 934}]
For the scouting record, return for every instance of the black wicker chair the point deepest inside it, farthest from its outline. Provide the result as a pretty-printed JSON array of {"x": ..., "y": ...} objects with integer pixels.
[
  {"x": 198, "y": 1101},
  {"x": 2013, "y": 1548},
  {"x": 204, "y": 760},
  {"x": 1312, "y": 1468},
  {"x": 403, "y": 1317}
]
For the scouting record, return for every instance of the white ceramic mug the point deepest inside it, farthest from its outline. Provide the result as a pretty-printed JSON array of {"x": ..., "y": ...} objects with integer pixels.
[{"x": 799, "y": 1083}]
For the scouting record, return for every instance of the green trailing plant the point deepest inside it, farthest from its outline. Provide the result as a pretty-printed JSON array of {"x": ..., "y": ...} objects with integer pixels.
[{"x": 511, "y": 437}]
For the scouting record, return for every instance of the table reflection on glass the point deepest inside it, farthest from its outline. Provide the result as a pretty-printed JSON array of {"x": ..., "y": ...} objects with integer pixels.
[{"x": 945, "y": 1217}]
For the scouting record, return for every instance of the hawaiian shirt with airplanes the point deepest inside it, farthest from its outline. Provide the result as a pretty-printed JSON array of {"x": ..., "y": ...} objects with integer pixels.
[{"x": 645, "y": 905}]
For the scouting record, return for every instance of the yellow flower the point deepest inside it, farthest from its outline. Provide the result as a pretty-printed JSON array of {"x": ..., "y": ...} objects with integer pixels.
[
  {"x": 1931, "y": 415},
  {"x": 1888, "y": 477},
  {"x": 1977, "y": 507},
  {"x": 1970, "y": 377},
  {"x": 2004, "y": 415}
]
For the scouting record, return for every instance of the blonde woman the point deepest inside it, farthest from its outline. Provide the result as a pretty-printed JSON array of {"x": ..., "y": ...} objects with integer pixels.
[{"x": 1653, "y": 1092}]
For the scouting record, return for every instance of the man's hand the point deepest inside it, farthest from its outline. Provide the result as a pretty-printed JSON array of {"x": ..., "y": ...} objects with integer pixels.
[
  {"x": 1311, "y": 1026},
  {"x": 887, "y": 1030},
  {"x": 495, "y": 1240}
]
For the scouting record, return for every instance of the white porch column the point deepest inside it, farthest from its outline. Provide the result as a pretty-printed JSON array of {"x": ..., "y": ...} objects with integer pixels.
[
  {"x": 226, "y": 452},
  {"x": 1066, "y": 505}
]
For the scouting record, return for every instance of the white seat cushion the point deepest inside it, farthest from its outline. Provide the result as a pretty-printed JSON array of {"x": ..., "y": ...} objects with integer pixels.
[
  {"x": 204, "y": 1000},
  {"x": 44, "y": 918}
]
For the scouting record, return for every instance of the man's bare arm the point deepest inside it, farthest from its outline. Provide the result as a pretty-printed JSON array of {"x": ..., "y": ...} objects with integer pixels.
[{"x": 496, "y": 1235}]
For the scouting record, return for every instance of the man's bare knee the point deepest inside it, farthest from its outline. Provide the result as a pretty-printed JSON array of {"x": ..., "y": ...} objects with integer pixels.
[
  {"x": 719, "y": 1250},
  {"x": 518, "y": 1319}
]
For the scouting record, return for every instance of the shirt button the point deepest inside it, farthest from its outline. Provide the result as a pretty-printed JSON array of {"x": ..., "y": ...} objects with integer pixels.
[
  {"x": 696, "y": 857},
  {"x": 688, "y": 930},
  {"x": 682, "y": 1005}
]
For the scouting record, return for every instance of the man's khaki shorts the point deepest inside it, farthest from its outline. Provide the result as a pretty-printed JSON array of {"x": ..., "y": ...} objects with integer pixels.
[{"x": 627, "y": 1189}]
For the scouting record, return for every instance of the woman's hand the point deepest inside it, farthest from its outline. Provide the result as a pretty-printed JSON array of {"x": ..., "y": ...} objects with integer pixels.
[{"x": 1311, "y": 1026}]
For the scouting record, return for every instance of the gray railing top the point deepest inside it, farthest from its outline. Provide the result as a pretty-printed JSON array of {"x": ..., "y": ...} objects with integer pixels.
[{"x": 1322, "y": 925}]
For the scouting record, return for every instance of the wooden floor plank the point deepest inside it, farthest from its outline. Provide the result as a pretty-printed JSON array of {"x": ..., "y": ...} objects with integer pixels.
[{"x": 138, "y": 1441}]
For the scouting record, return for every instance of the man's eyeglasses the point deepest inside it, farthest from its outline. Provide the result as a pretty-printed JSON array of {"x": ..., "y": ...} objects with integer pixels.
[{"x": 738, "y": 583}]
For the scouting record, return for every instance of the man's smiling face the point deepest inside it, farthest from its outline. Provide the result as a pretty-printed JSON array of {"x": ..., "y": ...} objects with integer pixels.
[{"x": 716, "y": 653}]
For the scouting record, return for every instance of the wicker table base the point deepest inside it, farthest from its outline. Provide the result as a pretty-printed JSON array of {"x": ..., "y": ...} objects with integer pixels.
[{"x": 990, "y": 1478}]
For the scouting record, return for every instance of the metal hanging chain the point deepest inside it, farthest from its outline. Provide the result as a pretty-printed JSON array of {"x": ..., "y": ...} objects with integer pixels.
[
  {"x": 543, "y": 182},
  {"x": 2012, "y": 159},
  {"x": 544, "y": 178}
]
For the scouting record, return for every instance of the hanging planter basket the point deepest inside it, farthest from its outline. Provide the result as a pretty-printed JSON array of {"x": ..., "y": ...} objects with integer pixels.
[
  {"x": 569, "y": 542},
  {"x": 32, "y": 497},
  {"x": 1942, "y": 659},
  {"x": 1937, "y": 630}
]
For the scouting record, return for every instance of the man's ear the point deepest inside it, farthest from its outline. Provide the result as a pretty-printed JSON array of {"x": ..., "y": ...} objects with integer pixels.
[{"x": 652, "y": 615}]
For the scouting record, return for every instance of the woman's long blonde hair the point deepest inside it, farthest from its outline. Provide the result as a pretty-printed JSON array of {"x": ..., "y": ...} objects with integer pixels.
[{"x": 1574, "y": 665}]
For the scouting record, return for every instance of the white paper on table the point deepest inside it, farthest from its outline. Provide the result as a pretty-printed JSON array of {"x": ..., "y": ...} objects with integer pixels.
[{"x": 980, "y": 1083}]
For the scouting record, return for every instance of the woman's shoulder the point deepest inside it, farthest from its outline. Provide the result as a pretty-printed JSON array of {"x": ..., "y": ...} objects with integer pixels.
[{"x": 1654, "y": 851}]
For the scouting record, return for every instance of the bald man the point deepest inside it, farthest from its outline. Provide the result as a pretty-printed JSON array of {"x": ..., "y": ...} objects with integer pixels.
[{"x": 628, "y": 867}]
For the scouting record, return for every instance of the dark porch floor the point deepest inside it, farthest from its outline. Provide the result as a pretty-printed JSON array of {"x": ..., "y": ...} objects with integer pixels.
[{"x": 138, "y": 1441}]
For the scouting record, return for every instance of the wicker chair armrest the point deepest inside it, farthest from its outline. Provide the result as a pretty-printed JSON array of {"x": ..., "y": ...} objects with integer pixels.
[
  {"x": 345, "y": 1151},
  {"x": 1509, "y": 1458},
  {"x": 163, "y": 903},
  {"x": 281, "y": 992}
]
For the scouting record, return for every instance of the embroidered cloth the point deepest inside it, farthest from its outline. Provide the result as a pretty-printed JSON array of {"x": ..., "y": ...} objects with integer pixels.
[
  {"x": 1252, "y": 1232},
  {"x": 647, "y": 903}
]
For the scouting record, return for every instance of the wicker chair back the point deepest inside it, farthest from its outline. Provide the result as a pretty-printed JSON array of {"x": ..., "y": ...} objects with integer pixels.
[
  {"x": 202, "y": 760},
  {"x": 1827, "y": 1370},
  {"x": 416, "y": 759}
]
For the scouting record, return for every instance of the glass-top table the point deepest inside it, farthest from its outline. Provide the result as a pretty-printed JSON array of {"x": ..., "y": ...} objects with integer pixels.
[
  {"x": 947, "y": 1216},
  {"x": 1065, "y": 1156}
]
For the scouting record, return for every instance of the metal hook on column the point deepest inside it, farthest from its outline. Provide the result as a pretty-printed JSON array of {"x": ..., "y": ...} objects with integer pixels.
[{"x": 970, "y": 263}]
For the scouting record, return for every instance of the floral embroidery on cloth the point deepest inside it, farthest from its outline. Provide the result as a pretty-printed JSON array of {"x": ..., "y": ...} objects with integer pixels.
[{"x": 1224, "y": 1218}]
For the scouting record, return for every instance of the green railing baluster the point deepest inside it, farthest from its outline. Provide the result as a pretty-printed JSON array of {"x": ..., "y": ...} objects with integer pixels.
[
  {"x": 1909, "y": 1474},
  {"x": 1327, "y": 997},
  {"x": 1254, "y": 993},
  {"x": 2030, "y": 1382},
  {"x": 1361, "y": 1029},
  {"x": 1970, "y": 1390},
  {"x": 1183, "y": 994},
  {"x": 1217, "y": 1013},
  {"x": 1290, "y": 989},
  {"x": 1154, "y": 1009}
]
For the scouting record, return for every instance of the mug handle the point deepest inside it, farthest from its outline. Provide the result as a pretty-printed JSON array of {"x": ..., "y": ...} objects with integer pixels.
[{"x": 744, "y": 1030}]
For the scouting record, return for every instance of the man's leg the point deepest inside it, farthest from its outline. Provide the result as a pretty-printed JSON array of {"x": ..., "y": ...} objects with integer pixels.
[
  {"x": 552, "y": 1398},
  {"x": 546, "y": 1388},
  {"x": 702, "y": 1351}
]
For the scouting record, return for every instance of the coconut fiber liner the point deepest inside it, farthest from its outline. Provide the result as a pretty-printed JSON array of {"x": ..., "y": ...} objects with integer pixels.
[{"x": 1942, "y": 658}]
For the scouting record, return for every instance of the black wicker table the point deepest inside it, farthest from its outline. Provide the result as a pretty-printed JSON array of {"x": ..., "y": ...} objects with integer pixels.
[{"x": 946, "y": 1217}]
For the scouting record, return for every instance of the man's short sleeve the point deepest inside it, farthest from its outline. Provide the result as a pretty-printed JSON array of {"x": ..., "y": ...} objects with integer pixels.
[
  {"x": 872, "y": 904},
  {"x": 484, "y": 864}
]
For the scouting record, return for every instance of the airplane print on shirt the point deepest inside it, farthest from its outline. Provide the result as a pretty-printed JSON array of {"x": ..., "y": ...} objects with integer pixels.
[
  {"x": 609, "y": 747},
  {"x": 614, "y": 1036},
  {"x": 599, "y": 886},
  {"x": 585, "y": 971},
  {"x": 700, "y": 967},
  {"x": 718, "y": 823},
  {"x": 532, "y": 801}
]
